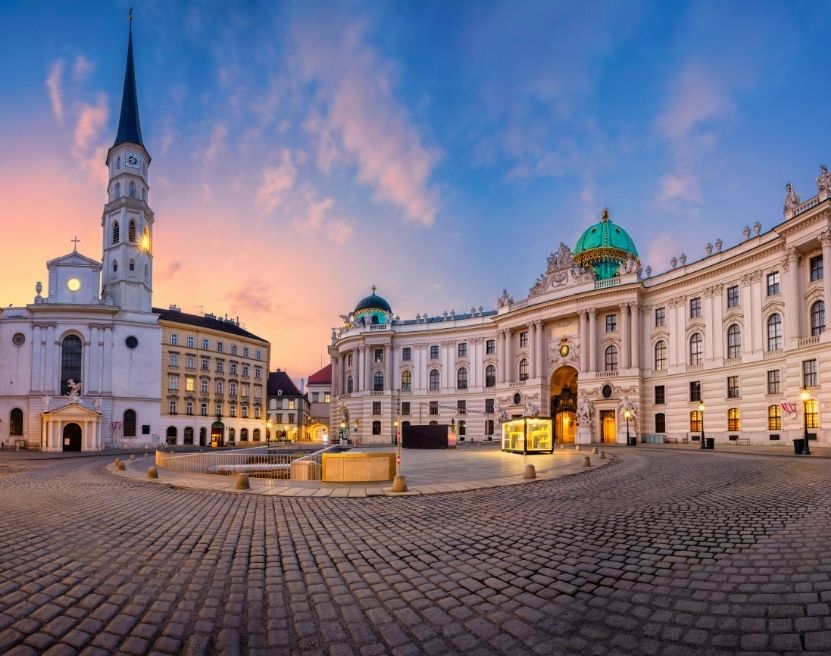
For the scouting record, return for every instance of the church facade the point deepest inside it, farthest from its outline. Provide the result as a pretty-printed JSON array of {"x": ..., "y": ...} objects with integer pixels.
[
  {"x": 732, "y": 346},
  {"x": 83, "y": 362}
]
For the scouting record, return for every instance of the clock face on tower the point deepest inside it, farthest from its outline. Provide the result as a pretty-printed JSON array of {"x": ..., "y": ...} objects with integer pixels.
[
  {"x": 73, "y": 284},
  {"x": 132, "y": 160}
]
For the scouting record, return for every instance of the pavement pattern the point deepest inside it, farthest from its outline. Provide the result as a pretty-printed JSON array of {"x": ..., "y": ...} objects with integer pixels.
[{"x": 655, "y": 553}]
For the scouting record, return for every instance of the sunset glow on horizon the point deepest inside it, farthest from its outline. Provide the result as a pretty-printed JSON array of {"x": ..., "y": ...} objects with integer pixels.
[{"x": 302, "y": 152}]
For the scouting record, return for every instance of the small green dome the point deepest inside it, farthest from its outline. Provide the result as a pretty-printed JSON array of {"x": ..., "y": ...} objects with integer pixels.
[
  {"x": 373, "y": 302},
  {"x": 604, "y": 247}
]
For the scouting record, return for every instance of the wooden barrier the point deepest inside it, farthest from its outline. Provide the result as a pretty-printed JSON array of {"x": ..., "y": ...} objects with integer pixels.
[{"x": 354, "y": 467}]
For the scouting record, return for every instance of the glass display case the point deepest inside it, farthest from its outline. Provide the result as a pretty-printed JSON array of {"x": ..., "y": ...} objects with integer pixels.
[{"x": 528, "y": 435}]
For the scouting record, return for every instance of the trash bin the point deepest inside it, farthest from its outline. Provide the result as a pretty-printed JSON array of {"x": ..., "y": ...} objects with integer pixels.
[
  {"x": 798, "y": 446},
  {"x": 709, "y": 443},
  {"x": 633, "y": 441}
]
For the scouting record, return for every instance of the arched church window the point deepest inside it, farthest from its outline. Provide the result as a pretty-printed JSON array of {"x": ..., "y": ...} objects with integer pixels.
[
  {"x": 349, "y": 385},
  {"x": 132, "y": 265},
  {"x": 115, "y": 266},
  {"x": 129, "y": 423},
  {"x": 71, "y": 352},
  {"x": 116, "y": 232},
  {"x": 132, "y": 189},
  {"x": 16, "y": 422},
  {"x": 131, "y": 232},
  {"x": 117, "y": 190},
  {"x": 146, "y": 273},
  {"x": 118, "y": 162}
]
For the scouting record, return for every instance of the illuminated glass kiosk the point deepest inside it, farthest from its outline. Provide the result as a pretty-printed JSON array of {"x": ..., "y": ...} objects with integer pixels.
[{"x": 528, "y": 435}]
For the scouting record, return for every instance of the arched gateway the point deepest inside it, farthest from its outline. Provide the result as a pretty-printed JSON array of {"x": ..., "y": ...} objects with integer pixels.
[
  {"x": 564, "y": 404},
  {"x": 72, "y": 437}
]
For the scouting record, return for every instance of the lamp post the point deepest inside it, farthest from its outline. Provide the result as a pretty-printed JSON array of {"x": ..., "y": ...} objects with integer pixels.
[
  {"x": 344, "y": 432},
  {"x": 628, "y": 415},
  {"x": 701, "y": 411},
  {"x": 805, "y": 396},
  {"x": 268, "y": 426}
]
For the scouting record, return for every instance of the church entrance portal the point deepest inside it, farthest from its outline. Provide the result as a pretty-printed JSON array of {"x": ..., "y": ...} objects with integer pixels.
[
  {"x": 72, "y": 437},
  {"x": 607, "y": 421},
  {"x": 564, "y": 404}
]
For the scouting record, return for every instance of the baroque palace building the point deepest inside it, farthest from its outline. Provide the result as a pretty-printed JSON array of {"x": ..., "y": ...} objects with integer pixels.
[{"x": 733, "y": 344}]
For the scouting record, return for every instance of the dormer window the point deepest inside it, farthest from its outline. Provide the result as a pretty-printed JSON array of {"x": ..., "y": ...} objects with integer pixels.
[{"x": 116, "y": 233}]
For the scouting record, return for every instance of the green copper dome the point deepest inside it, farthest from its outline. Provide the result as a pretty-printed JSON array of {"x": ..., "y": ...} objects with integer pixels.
[
  {"x": 604, "y": 247},
  {"x": 373, "y": 309}
]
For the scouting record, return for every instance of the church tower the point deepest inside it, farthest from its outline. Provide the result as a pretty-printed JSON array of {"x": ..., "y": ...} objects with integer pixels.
[{"x": 127, "y": 222}]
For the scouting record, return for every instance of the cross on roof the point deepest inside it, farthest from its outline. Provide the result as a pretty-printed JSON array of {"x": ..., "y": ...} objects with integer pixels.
[{"x": 75, "y": 243}]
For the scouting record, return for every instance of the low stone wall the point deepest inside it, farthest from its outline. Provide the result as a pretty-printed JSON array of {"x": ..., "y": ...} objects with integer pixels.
[{"x": 354, "y": 467}]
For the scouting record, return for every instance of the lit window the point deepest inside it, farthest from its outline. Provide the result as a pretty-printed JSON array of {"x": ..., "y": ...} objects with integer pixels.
[
  {"x": 695, "y": 421},
  {"x": 774, "y": 418},
  {"x": 734, "y": 419}
]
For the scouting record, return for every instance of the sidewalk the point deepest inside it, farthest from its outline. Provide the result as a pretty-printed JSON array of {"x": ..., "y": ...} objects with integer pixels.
[
  {"x": 427, "y": 472},
  {"x": 782, "y": 450}
]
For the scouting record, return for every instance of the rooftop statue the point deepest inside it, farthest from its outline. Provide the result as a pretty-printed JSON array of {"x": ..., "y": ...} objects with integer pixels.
[{"x": 792, "y": 200}]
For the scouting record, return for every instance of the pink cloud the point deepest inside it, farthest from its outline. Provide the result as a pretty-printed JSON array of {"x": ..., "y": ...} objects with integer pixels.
[
  {"x": 53, "y": 85},
  {"x": 361, "y": 119},
  {"x": 275, "y": 181}
]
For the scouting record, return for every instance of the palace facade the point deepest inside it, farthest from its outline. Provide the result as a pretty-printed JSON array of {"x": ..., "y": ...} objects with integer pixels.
[{"x": 732, "y": 345}]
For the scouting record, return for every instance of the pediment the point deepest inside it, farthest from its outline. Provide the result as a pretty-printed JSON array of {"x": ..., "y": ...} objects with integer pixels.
[
  {"x": 733, "y": 316},
  {"x": 72, "y": 409},
  {"x": 73, "y": 259}
]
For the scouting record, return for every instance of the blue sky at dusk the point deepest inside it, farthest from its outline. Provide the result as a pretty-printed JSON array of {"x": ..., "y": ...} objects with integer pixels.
[{"x": 304, "y": 151}]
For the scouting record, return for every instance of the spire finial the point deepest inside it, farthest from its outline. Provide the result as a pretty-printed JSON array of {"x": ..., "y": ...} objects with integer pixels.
[
  {"x": 605, "y": 215},
  {"x": 130, "y": 15},
  {"x": 75, "y": 244},
  {"x": 373, "y": 289}
]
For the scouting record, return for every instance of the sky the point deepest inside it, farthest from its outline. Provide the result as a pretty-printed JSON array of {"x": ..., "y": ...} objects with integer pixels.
[{"x": 305, "y": 151}]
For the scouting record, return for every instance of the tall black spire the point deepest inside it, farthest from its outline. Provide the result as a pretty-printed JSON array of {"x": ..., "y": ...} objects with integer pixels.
[{"x": 129, "y": 127}]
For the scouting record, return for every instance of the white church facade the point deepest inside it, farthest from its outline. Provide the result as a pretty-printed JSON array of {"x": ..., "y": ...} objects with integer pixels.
[
  {"x": 732, "y": 346},
  {"x": 81, "y": 365}
]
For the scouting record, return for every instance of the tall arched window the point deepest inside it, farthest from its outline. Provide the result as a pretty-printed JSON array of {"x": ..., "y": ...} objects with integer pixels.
[
  {"x": 349, "y": 384},
  {"x": 188, "y": 435},
  {"x": 256, "y": 435},
  {"x": 661, "y": 355},
  {"x": 376, "y": 427},
  {"x": 696, "y": 349},
  {"x": 115, "y": 266},
  {"x": 16, "y": 422},
  {"x": 461, "y": 378},
  {"x": 817, "y": 317},
  {"x": 378, "y": 381},
  {"x": 660, "y": 423},
  {"x": 734, "y": 342},
  {"x": 117, "y": 190},
  {"x": 774, "y": 417},
  {"x": 132, "y": 189},
  {"x": 523, "y": 369},
  {"x": 774, "y": 332},
  {"x": 131, "y": 232},
  {"x": 695, "y": 421},
  {"x": 490, "y": 376},
  {"x": 71, "y": 352},
  {"x": 406, "y": 381},
  {"x": 610, "y": 358},
  {"x": 131, "y": 265},
  {"x": 129, "y": 423},
  {"x": 243, "y": 435},
  {"x": 434, "y": 380},
  {"x": 116, "y": 233},
  {"x": 734, "y": 419}
]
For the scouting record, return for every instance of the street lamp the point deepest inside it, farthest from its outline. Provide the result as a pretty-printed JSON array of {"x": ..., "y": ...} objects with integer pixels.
[
  {"x": 701, "y": 412},
  {"x": 628, "y": 415},
  {"x": 805, "y": 396},
  {"x": 344, "y": 432},
  {"x": 268, "y": 426}
]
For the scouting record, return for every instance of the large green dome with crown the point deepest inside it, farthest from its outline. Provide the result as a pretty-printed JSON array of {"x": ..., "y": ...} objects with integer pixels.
[{"x": 604, "y": 247}]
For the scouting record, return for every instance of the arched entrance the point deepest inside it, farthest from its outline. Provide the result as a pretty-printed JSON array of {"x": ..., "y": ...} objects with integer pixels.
[
  {"x": 217, "y": 432},
  {"x": 564, "y": 404},
  {"x": 72, "y": 437}
]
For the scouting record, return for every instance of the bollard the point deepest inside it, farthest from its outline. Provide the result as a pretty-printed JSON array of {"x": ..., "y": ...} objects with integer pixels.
[
  {"x": 399, "y": 484},
  {"x": 603, "y": 455},
  {"x": 242, "y": 482},
  {"x": 132, "y": 456},
  {"x": 577, "y": 447},
  {"x": 119, "y": 465},
  {"x": 145, "y": 454},
  {"x": 530, "y": 471},
  {"x": 562, "y": 446},
  {"x": 594, "y": 450},
  {"x": 587, "y": 462},
  {"x": 152, "y": 472}
]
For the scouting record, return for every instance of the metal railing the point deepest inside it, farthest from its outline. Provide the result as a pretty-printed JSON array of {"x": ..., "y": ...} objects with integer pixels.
[{"x": 259, "y": 462}]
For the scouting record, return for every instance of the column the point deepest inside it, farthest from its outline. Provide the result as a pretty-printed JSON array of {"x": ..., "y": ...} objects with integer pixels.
[
  {"x": 500, "y": 353},
  {"x": 542, "y": 347},
  {"x": 358, "y": 385},
  {"x": 825, "y": 239},
  {"x": 532, "y": 350},
  {"x": 710, "y": 331},
  {"x": 107, "y": 385},
  {"x": 584, "y": 342},
  {"x": 390, "y": 383},
  {"x": 509, "y": 358},
  {"x": 51, "y": 354},
  {"x": 636, "y": 335},
  {"x": 790, "y": 287},
  {"x": 592, "y": 340},
  {"x": 681, "y": 313},
  {"x": 625, "y": 360}
]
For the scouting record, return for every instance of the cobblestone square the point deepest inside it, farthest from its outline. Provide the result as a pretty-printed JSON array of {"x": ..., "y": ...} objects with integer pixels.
[{"x": 659, "y": 552}]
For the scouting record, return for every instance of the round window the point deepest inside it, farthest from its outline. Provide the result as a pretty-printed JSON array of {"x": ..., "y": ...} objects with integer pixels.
[
  {"x": 73, "y": 284},
  {"x": 18, "y": 339},
  {"x": 517, "y": 398},
  {"x": 131, "y": 342},
  {"x": 606, "y": 391}
]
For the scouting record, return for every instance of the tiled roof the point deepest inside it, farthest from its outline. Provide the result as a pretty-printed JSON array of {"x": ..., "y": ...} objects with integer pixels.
[
  {"x": 279, "y": 381},
  {"x": 205, "y": 322},
  {"x": 322, "y": 376}
]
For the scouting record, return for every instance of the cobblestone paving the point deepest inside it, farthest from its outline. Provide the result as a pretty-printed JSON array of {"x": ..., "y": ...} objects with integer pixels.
[{"x": 657, "y": 553}]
